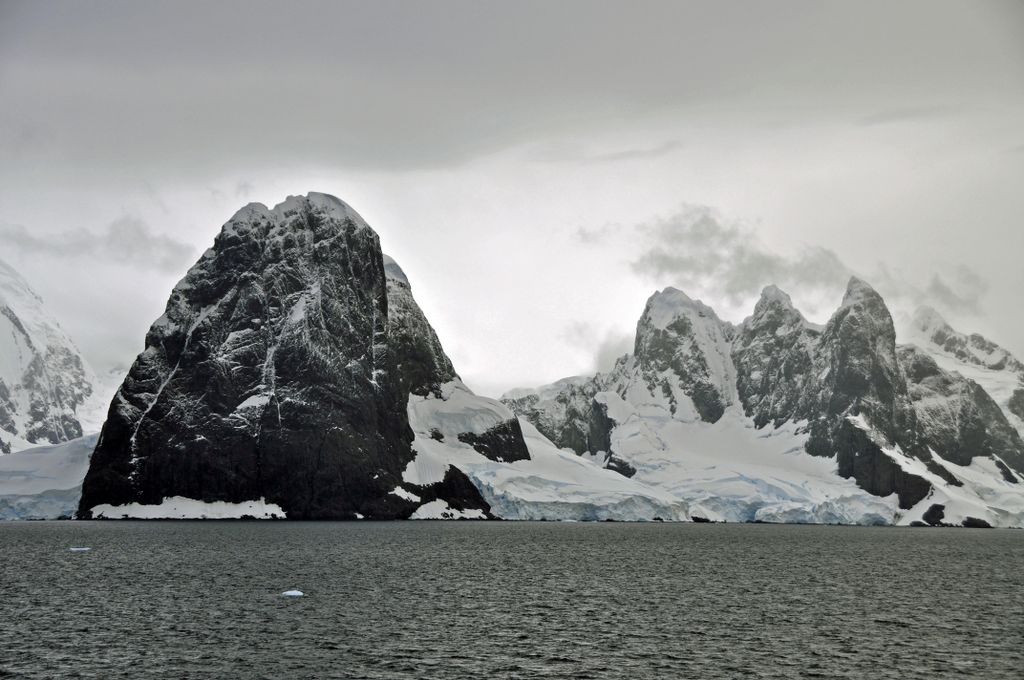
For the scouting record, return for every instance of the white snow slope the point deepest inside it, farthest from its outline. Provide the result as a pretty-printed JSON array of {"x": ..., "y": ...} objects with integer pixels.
[
  {"x": 553, "y": 484},
  {"x": 44, "y": 482}
]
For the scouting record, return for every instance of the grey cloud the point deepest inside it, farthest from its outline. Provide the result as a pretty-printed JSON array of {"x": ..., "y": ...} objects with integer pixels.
[
  {"x": 910, "y": 114},
  {"x": 963, "y": 296},
  {"x": 606, "y": 347},
  {"x": 704, "y": 253},
  {"x": 127, "y": 240},
  {"x": 387, "y": 85},
  {"x": 611, "y": 347},
  {"x": 596, "y": 235},
  {"x": 698, "y": 249}
]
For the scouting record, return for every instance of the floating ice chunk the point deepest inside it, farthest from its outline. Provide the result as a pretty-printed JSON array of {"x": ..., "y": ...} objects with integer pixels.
[
  {"x": 82, "y": 549},
  {"x": 292, "y": 593}
]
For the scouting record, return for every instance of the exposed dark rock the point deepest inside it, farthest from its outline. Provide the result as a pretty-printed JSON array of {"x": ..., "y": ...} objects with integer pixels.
[
  {"x": 456, "y": 490},
  {"x": 862, "y": 459},
  {"x": 975, "y": 523},
  {"x": 616, "y": 464},
  {"x": 421, "y": 364},
  {"x": 935, "y": 514},
  {"x": 672, "y": 351},
  {"x": 502, "y": 443},
  {"x": 957, "y": 418},
  {"x": 774, "y": 356},
  {"x": 1006, "y": 472}
]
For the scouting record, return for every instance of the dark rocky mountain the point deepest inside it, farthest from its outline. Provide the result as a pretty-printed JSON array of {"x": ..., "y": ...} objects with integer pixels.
[{"x": 281, "y": 370}]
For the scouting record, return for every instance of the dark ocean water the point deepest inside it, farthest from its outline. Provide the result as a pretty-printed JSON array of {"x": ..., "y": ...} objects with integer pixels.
[{"x": 508, "y": 600}]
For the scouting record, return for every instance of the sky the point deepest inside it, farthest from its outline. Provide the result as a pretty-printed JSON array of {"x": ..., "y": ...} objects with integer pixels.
[{"x": 538, "y": 169}]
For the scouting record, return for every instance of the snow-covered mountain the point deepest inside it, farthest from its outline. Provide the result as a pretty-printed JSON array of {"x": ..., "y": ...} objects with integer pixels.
[
  {"x": 293, "y": 374},
  {"x": 48, "y": 391},
  {"x": 975, "y": 357},
  {"x": 778, "y": 419}
]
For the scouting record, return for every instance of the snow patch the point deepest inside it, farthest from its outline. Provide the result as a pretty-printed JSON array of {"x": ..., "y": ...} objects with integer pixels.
[
  {"x": 440, "y": 510},
  {"x": 179, "y": 507}
]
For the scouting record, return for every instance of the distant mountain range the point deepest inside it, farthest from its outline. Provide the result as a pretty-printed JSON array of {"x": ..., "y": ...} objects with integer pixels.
[{"x": 293, "y": 375}]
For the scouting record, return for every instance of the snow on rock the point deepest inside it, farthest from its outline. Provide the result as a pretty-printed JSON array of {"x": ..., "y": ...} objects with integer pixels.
[
  {"x": 48, "y": 392},
  {"x": 767, "y": 421},
  {"x": 974, "y": 357},
  {"x": 178, "y": 507},
  {"x": 551, "y": 484},
  {"x": 44, "y": 482},
  {"x": 981, "y": 492},
  {"x": 402, "y": 493},
  {"x": 439, "y": 509}
]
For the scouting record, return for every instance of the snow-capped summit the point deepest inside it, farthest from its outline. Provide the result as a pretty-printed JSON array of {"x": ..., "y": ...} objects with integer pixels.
[
  {"x": 46, "y": 386},
  {"x": 683, "y": 347},
  {"x": 829, "y": 424}
]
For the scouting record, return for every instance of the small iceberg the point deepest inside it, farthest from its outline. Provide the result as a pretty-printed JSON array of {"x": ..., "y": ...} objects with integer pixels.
[
  {"x": 80, "y": 549},
  {"x": 292, "y": 593}
]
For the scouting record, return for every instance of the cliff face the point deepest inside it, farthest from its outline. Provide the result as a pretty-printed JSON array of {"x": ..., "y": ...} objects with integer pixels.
[{"x": 272, "y": 374}]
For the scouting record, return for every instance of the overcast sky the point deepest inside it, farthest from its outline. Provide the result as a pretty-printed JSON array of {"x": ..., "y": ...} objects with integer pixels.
[{"x": 538, "y": 169}]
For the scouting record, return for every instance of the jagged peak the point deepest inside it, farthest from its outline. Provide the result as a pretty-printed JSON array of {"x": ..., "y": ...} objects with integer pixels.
[
  {"x": 314, "y": 200},
  {"x": 775, "y": 304},
  {"x": 773, "y": 297},
  {"x": 393, "y": 271},
  {"x": 858, "y": 291},
  {"x": 772, "y": 293},
  {"x": 665, "y": 306}
]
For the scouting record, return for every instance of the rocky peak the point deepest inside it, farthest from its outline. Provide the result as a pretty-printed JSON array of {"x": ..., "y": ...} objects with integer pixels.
[
  {"x": 270, "y": 375},
  {"x": 774, "y": 313},
  {"x": 683, "y": 348}
]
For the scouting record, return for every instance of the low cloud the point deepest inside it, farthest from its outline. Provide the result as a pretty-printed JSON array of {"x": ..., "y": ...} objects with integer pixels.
[
  {"x": 127, "y": 240},
  {"x": 964, "y": 295},
  {"x": 606, "y": 346},
  {"x": 698, "y": 249}
]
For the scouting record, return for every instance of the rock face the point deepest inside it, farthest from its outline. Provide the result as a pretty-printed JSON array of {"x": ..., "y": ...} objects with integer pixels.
[
  {"x": 277, "y": 373},
  {"x": 958, "y": 419},
  {"x": 683, "y": 348},
  {"x": 698, "y": 390},
  {"x": 45, "y": 384}
]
